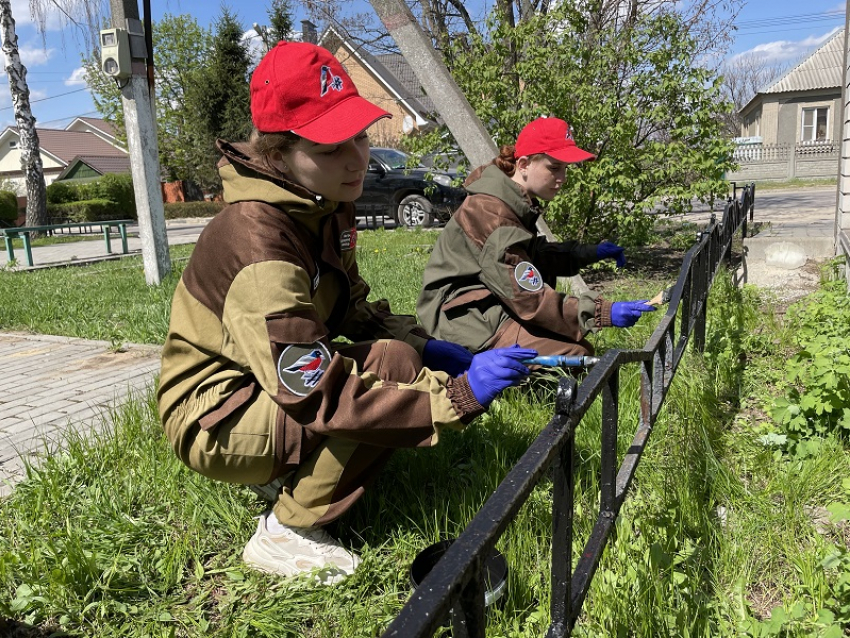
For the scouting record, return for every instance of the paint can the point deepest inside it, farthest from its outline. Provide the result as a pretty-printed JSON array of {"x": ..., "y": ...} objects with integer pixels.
[{"x": 495, "y": 570}]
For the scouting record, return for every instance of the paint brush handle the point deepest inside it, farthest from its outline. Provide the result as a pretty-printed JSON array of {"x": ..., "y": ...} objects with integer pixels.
[{"x": 561, "y": 361}]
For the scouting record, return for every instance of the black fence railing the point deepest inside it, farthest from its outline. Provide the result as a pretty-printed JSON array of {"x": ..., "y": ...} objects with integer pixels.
[{"x": 455, "y": 587}]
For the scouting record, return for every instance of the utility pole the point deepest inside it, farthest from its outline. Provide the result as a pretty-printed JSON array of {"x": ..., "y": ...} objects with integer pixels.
[
  {"x": 842, "y": 206},
  {"x": 451, "y": 103},
  {"x": 137, "y": 100}
]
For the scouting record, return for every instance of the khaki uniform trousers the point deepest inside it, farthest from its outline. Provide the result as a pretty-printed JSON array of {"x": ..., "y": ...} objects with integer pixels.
[{"x": 333, "y": 475}]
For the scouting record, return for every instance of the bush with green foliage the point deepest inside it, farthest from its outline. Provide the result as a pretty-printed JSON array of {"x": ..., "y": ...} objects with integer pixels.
[
  {"x": 8, "y": 206},
  {"x": 117, "y": 188},
  {"x": 61, "y": 191},
  {"x": 110, "y": 196},
  {"x": 89, "y": 210},
  {"x": 818, "y": 400},
  {"x": 639, "y": 97},
  {"x": 182, "y": 210}
]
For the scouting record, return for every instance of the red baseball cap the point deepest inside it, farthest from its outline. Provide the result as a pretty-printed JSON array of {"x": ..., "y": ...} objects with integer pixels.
[
  {"x": 551, "y": 136},
  {"x": 302, "y": 88}
]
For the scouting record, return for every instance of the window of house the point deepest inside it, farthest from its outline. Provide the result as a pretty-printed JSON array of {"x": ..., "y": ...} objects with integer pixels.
[
  {"x": 13, "y": 144},
  {"x": 815, "y": 124}
]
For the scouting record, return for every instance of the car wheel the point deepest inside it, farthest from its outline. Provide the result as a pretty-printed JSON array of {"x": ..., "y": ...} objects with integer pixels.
[{"x": 415, "y": 210}]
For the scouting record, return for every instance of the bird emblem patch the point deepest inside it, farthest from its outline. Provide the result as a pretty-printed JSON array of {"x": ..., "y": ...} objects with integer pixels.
[
  {"x": 301, "y": 367},
  {"x": 528, "y": 277}
]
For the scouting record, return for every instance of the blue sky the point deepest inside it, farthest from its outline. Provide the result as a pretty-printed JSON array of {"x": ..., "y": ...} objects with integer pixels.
[{"x": 780, "y": 30}]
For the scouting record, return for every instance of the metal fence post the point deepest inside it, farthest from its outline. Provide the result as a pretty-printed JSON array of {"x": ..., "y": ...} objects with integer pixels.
[{"x": 562, "y": 521}]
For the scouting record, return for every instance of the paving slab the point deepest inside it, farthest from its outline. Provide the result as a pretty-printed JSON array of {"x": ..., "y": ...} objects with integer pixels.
[{"x": 55, "y": 396}]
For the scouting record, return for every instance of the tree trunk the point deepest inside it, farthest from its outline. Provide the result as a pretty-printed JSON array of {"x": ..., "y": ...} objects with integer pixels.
[{"x": 30, "y": 152}]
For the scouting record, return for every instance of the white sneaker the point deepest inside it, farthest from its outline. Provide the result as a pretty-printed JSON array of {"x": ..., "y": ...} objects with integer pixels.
[{"x": 299, "y": 550}]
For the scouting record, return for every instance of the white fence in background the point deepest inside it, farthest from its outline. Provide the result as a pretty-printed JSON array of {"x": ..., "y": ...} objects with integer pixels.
[{"x": 811, "y": 160}]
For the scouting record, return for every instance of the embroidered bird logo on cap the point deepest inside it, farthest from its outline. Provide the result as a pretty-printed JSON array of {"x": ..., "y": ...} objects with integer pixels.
[{"x": 330, "y": 81}]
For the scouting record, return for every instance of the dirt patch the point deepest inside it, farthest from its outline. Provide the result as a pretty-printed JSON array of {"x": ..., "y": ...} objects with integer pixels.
[
  {"x": 662, "y": 264},
  {"x": 653, "y": 263},
  {"x": 117, "y": 358}
]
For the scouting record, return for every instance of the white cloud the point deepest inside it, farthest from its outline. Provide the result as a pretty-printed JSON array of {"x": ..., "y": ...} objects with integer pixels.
[
  {"x": 77, "y": 78},
  {"x": 785, "y": 51},
  {"x": 31, "y": 56},
  {"x": 54, "y": 19},
  {"x": 34, "y": 55}
]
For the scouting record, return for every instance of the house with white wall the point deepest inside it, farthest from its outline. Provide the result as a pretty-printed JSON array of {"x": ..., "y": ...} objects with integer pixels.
[{"x": 88, "y": 138}]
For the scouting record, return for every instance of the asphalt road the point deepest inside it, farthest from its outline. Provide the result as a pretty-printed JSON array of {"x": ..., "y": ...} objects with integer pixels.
[{"x": 783, "y": 202}]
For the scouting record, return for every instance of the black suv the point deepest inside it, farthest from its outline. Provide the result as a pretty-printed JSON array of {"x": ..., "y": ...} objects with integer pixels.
[{"x": 405, "y": 195}]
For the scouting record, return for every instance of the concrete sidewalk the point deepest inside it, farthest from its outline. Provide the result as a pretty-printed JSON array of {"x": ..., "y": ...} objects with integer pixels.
[
  {"x": 92, "y": 249},
  {"x": 53, "y": 383}
]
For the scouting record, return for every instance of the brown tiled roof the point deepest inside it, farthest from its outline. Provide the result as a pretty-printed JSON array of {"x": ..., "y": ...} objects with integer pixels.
[
  {"x": 66, "y": 145},
  {"x": 98, "y": 123},
  {"x": 106, "y": 164}
]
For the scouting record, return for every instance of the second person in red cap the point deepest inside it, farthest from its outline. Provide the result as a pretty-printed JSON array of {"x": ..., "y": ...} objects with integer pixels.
[{"x": 488, "y": 282}]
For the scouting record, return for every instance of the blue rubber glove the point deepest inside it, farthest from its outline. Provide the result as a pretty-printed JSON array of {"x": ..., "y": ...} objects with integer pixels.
[
  {"x": 610, "y": 250},
  {"x": 446, "y": 356},
  {"x": 626, "y": 313},
  {"x": 494, "y": 370}
]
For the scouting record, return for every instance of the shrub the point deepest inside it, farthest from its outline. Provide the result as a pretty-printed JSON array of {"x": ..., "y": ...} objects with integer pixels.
[
  {"x": 181, "y": 210},
  {"x": 119, "y": 189},
  {"x": 90, "y": 210},
  {"x": 61, "y": 192},
  {"x": 817, "y": 395},
  {"x": 8, "y": 206},
  {"x": 115, "y": 187}
]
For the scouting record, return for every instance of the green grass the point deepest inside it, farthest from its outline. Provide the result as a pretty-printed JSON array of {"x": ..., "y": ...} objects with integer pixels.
[
  {"x": 114, "y": 537},
  {"x": 796, "y": 183}
]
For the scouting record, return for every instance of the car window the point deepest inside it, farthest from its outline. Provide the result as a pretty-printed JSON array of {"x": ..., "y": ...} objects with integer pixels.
[{"x": 391, "y": 157}]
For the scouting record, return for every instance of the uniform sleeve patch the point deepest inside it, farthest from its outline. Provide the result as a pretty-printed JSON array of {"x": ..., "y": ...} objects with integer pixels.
[
  {"x": 348, "y": 239},
  {"x": 301, "y": 367},
  {"x": 528, "y": 277}
]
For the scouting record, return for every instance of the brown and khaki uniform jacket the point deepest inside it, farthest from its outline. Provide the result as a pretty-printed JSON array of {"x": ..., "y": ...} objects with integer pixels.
[
  {"x": 489, "y": 265},
  {"x": 274, "y": 271}
]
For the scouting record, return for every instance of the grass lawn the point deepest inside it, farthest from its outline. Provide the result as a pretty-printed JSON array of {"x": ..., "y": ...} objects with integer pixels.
[
  {"x": 729, "y": 529},
  {"x": 797, "y": 183}
]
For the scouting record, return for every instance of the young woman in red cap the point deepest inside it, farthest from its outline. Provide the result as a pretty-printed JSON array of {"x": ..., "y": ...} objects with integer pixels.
[
  {"x": 488, "y": 282},
  {"x": 254, "y": 387}
]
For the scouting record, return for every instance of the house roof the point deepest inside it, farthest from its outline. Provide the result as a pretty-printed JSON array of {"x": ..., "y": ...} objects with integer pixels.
[
  {"x": 100, "y": 163},
  {"x": 821, "y": 70},
  {"x": 403, "y": 72},
  {"x": 406, "y": 89},
  {"x": 95, "y": 122},
  {"x": 66, "y": 145}
]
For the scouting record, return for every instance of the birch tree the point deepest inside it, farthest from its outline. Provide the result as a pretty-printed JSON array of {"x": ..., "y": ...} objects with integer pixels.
[{"x": 30, "y": 151}]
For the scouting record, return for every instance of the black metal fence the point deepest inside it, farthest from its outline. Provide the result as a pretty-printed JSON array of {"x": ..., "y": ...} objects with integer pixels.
[{"x": 455, "y": 586}]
